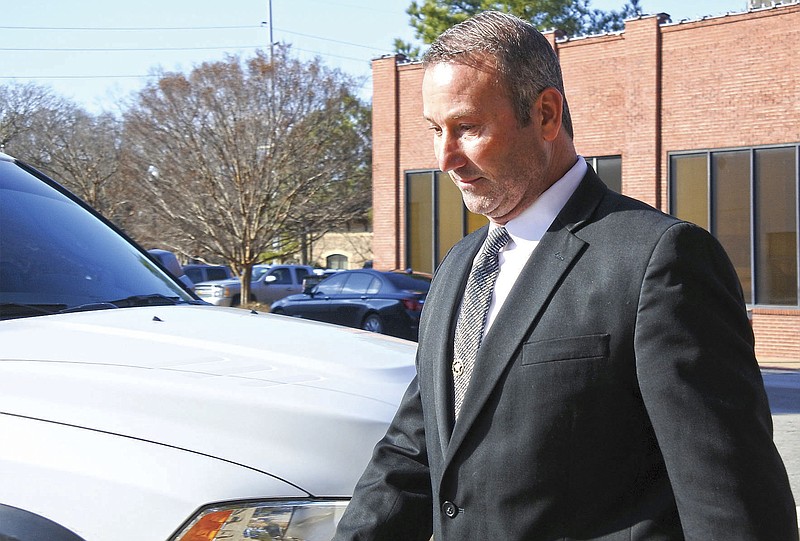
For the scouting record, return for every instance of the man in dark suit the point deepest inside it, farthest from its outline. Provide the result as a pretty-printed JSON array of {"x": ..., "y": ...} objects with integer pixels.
[{"x": 615, "y": 393}]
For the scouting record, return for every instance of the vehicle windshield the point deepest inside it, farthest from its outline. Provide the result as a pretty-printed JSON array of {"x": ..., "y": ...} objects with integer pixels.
[
  {"x": 416, "y": 283},
  {"x": 56, "y": 256},
  {"x": 258, "y": 272}
]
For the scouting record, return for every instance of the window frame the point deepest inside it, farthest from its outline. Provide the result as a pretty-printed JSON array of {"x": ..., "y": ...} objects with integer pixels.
[
  {"x": 593, "y": 162},
  {"x": 754, "y": 224},
  {"x": 435, "y": 176}
]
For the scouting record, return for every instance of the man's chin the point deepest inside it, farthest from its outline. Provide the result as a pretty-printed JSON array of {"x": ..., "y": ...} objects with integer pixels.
[{"x": 476, "y": 204}]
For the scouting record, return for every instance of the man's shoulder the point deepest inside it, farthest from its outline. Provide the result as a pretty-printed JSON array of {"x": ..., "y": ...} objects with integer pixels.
[
  {"x": 599, "y": 214},
  {"x": 625, "y": 202},
  {"x": 636, "y": 227},
  {"x": 594, "y": 203},
  {"x": 625, "y": 208}
]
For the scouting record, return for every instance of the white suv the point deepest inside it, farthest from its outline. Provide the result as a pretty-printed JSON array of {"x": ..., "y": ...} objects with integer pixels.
[{"x": 127, "y": 413}]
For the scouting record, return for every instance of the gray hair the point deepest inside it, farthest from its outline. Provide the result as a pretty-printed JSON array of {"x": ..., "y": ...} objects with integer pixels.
[{"x": 524, "y": 59}]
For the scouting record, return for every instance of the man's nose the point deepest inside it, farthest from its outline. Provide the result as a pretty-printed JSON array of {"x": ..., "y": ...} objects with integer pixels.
[{"x": 449, "y": 153}]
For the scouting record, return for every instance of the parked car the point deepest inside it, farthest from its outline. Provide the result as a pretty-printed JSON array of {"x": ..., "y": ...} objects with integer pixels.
[
  {"x": 199, "y": 272},
  {"x": 131, "y": 410},
  {"x": 377, "y": 301},
  {"x": 268, "y": 284}
]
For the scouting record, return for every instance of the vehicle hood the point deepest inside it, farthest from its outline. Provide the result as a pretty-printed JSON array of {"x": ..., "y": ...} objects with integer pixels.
[
  {"x": 302, "y": 401},
  {"x": 226, "y": 282},
  {"x": 295, "y": 297}
]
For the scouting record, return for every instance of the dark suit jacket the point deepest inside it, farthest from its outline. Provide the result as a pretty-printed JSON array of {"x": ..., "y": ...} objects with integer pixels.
[{"x": 616, "y": 397}]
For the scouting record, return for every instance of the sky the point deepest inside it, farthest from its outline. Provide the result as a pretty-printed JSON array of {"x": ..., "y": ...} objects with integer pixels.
[{"x": 100, "y": 52}]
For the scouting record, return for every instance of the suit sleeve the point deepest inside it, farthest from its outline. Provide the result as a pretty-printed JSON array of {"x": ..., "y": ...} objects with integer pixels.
[
  {"x": 703, "y": 391},
  {"x": 392, "y": 500}
]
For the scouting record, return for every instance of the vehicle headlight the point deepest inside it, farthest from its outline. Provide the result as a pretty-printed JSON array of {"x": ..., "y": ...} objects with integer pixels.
[
  {"x": 298, "y": 520},
  {"x": 219, "y": 292}
]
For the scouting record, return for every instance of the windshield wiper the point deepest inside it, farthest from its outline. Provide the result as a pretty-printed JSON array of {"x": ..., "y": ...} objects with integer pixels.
[
  {"x": 88, "y": 307},
  {"x": 128, "y": 302},
  {"x": 10, "y": 310},
  {"x": 155, "y": 299}
]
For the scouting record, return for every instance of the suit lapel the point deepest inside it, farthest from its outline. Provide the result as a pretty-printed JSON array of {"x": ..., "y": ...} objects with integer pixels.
[
  {"x": 442, "y": 303},
  {"x": 537, "y": 282}
]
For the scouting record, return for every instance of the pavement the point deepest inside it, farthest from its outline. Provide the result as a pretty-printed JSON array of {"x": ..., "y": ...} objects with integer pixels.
[{"x": 782, "y": 382}]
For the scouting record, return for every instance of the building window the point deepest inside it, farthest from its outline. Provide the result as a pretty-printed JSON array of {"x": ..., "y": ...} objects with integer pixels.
[
  {"x": 436, "y": 219},
  {"x": 336, "y": 261},
  {"x": 608, "y": 168},
  {"x": 748, "y": 199},
  {"x": 776, "y": 228}
]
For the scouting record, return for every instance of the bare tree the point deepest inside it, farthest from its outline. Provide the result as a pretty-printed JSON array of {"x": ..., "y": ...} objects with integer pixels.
[
  {"x": 63, "y": 140},
  {"x": 83, "y": 152},
  {"x": 346, "y": 196},
  {"x": 237, "y": 154},
  {"x": 24, "y": 108}
]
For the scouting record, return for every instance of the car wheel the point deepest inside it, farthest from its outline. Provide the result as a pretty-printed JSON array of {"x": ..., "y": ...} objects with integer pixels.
[
  {"x": 236, "y": 300},
  {"x": 20, "y": 524},
  {"x": 372, "y": 323},
  {"x": 279, "y": 311}
]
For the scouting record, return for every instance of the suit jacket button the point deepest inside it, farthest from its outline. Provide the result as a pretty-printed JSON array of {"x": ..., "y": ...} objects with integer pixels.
[{"x": 449, "y": 509}]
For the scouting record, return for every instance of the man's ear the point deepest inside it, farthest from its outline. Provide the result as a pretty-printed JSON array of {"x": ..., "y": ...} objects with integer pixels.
[{"x": 550, "y": 105}]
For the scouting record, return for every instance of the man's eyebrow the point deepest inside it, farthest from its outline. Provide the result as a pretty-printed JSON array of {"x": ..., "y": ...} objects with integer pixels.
[{"x": 455, "y": 116}]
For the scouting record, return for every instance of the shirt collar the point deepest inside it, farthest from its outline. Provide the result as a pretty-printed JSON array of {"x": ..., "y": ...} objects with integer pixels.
[{"x": 534, "y": 221}]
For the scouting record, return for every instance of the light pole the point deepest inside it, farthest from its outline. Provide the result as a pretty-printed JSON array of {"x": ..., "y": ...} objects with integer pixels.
[{"x": 271, "y": 41}]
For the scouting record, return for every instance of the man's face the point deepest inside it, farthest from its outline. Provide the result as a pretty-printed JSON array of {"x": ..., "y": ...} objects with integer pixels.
[{"x": 499, "y": 166}]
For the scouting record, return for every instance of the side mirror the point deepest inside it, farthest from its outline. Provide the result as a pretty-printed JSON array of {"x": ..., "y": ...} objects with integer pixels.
[
  {"x": 309, "y": 289},
  {"x": 310, "y": 284}
]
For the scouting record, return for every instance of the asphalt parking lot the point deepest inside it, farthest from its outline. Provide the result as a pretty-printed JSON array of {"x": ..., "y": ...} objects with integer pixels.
[{"x": 783, "y": 389}]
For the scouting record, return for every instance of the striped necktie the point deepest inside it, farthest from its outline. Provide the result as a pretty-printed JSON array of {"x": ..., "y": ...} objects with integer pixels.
[{"x": 474, "y": 308}]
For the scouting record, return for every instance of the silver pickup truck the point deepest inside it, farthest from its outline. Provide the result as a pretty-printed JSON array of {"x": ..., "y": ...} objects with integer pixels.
[{"x": 269, "y": 283}]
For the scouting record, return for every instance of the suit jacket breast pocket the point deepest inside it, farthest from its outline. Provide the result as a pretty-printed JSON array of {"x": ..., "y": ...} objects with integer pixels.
[{"x": 572, "y": 348}]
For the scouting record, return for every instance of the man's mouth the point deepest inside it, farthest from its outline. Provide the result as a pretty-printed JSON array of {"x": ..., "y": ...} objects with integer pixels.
[{"x": 464, "y": 180}]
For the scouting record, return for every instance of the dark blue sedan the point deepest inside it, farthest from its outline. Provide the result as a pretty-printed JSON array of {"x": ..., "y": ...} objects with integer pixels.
[{"x": 377, "y": 301}]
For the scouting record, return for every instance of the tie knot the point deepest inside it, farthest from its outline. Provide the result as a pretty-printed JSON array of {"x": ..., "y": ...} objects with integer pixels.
[{"x": 498, "y": 237}]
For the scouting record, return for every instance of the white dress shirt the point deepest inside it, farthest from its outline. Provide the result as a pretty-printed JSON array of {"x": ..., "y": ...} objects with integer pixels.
[{"x": 526, "y": 230}]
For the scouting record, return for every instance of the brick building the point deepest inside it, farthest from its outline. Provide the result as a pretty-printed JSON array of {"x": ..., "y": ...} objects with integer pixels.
[{"x": 700, "y": 119}]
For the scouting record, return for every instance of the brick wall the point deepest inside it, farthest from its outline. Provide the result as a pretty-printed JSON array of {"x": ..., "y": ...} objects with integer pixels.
[
  {"x": 732, "y": 81},
  {"x": 777, "y": 334},
  {"x": 656, "y": 88},
  {"x": 386, "y": 226},
  {"x": 612, "y": 85}
]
